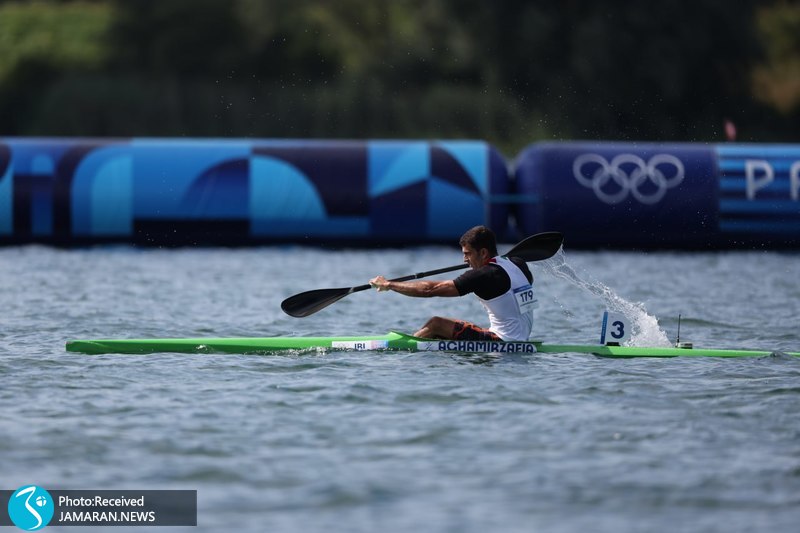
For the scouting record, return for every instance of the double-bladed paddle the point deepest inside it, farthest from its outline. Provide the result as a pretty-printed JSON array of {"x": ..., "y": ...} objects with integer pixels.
[{"x": 534, "y": 248}]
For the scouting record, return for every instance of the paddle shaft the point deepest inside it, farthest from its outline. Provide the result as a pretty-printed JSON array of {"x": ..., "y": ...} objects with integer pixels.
[{"x": 415, "y": 276}]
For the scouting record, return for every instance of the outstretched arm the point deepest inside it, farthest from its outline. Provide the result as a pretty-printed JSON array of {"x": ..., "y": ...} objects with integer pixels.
[{"x": 420, "y": 289}]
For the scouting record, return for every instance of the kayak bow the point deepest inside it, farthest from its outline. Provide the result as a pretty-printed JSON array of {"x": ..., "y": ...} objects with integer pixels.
[{"x": 393, "y": 341}]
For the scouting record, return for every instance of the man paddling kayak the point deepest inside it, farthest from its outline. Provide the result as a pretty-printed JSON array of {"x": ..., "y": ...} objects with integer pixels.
[{"x": 503, "y": 285}]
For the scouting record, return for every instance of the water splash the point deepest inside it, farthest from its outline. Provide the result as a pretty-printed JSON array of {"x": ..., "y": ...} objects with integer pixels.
[{"x": 646, "y": 331}]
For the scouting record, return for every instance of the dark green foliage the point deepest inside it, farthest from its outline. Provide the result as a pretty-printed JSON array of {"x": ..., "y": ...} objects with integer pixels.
[{"x": 511, "y": 72}]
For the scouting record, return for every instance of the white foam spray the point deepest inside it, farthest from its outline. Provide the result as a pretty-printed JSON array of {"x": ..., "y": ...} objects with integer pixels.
[{"x": 646, "y": 331}]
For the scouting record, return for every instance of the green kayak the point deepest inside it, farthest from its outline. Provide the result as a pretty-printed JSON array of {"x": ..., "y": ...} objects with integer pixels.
[{"x": 392, "y": 341}]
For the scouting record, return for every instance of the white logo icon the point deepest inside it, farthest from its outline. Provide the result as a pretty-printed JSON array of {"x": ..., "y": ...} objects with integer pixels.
[{"x": 628, "y": 173}]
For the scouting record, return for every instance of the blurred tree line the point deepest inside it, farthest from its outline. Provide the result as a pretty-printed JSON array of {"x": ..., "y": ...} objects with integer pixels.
[{"x": 511, "y": 71}]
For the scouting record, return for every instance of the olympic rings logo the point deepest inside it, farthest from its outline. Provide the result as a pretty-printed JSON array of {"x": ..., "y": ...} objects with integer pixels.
[{"x": 626, "y": 174}]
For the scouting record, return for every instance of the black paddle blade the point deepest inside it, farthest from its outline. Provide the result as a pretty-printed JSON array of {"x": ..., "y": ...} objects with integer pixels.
[
  {"x": 309, "y": 302},
  {"x": 538, "y": 247}
]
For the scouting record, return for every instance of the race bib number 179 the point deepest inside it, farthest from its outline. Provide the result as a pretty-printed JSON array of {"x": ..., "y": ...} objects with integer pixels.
[{"x": 525, "y": 299}]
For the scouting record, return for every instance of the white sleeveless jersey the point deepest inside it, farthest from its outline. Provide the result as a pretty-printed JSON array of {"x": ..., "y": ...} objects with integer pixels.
[{"x": 511, "y": 313}]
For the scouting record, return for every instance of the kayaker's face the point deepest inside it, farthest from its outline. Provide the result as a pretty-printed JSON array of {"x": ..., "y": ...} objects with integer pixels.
[{"x": 475, "y": 258}]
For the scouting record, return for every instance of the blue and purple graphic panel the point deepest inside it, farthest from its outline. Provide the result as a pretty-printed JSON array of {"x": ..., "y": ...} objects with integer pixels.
[{"x": 170, "y": 191}]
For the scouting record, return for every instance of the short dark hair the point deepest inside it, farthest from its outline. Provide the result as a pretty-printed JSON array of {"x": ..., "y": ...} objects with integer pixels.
[{"x": 480, "y": 237}]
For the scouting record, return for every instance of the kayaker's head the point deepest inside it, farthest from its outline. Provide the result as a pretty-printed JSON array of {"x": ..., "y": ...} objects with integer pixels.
[{"x": 478, "y": 246}]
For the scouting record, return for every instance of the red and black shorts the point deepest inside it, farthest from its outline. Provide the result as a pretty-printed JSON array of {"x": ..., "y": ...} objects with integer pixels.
[{"x": 466, "y": 331}]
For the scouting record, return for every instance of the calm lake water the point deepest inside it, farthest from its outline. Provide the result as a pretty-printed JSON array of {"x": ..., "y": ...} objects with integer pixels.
[{"x": 365, "y": 442}]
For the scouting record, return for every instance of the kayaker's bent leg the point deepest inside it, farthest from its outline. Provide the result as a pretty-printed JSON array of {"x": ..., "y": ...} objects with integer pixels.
[{"x": 437, "y": 328}]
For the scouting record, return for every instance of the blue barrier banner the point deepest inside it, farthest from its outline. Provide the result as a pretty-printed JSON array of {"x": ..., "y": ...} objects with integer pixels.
[
  {"x": 244, "y": 191},
  {"x": 619, "y": 194},
  {"x": 241, "y": 191}
]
